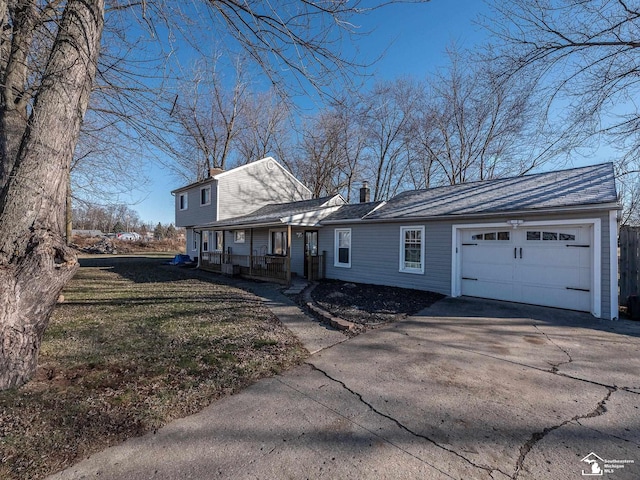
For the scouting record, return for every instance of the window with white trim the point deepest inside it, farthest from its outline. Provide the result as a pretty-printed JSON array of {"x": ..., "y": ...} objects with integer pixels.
[
  {"x": 342, "y": 248},
  {"x": 207, "y": 241},
  {"x": 183, "y": 201},
  {"x": 205, "y": 196},
  {"x": 238, "y": 236},
  {"x": 219, "y": 240},
  {"x": 195, "y": 242},
  {"x": 278, "y": 242},
  {"x": 412, "y": 249}
]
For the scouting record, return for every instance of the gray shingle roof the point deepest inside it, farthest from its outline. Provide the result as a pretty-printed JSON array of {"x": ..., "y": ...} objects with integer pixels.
[
  {"x": 272, "y": 213},
  {"x": 566, "y": 188},
  {"x": 352, "y": 212}
]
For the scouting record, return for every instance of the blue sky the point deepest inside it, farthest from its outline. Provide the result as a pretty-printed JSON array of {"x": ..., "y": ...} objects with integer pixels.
[{"x": 415, "y": 38}]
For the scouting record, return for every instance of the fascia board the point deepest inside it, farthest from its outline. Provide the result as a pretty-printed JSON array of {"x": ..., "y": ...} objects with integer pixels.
[{"x": 511, "y": 213}]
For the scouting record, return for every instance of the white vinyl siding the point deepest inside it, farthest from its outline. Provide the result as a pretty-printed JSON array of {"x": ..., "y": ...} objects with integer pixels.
[
  {"x": 247, "y": 188},
  {"x": 412, "y": 249},
  {"x": 342, "y": 254}
]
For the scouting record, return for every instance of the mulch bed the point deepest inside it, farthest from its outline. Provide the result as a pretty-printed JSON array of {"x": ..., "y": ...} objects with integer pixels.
[{"x": 370, "y": 305}]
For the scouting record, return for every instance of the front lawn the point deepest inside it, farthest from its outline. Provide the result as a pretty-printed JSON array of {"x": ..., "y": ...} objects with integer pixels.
[{"x": 134, "y": 345}]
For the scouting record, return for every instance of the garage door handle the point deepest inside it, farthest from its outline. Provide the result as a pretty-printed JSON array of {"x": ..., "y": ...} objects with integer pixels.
[
  {"x": 520, "y": 252},
  {"x": 469, "y": 278},
  {"x": 579, "y": 246},
  {"x": 578, "y": 289},
  {"x": 515, "y": 252}
]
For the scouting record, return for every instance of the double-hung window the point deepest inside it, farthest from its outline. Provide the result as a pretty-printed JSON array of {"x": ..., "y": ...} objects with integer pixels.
[
  {"x": 206, "y": 241},
  {"x": 219, "y": 240},
  {"x": 412, "y": 249},
  {"x": 183, "y": 201},
  {"x": 342, "y": 248},
  {"x": 278, "y": 242},
  {"x": 205, "y": 196}
]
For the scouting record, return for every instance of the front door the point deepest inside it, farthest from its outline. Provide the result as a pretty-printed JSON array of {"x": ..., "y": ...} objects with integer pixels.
[{"x": 310, "y": 251}]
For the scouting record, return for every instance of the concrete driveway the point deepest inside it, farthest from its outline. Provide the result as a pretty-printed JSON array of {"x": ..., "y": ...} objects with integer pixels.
[{"x": 468, "y": 389}]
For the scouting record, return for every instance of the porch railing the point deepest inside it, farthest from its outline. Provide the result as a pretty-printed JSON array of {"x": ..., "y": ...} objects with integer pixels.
[{"x": 265, "y": 267}]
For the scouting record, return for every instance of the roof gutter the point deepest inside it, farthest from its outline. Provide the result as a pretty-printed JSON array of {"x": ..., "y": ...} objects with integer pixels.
[{"x": 510, "y": 213}]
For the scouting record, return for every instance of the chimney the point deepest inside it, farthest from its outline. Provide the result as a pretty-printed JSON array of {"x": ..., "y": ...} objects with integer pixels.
[
  {"x": 215, "y": 171},
  {"x": 365, "y": 193}
]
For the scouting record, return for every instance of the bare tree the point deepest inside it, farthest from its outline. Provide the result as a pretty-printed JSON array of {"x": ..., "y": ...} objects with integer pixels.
[
  {"x": 475, "y": 125},
  {"x": 265, "y": 128},
  {"x": 585, "y": 57},
  {"x": 40, "y": 124},
  {"x": 331, "y": 149},
  {"x": 386, "y": 117},
  {"x": 49, "y": 52},
  {"x": 104, "y": 218},
  {"x": 321, "y": 156},
  {"x": 207, "y": 115}
]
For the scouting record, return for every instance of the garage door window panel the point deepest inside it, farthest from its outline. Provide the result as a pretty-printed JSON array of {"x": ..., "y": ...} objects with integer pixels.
[
  {"x": 546, "y": 236},
  {"x": 499, "y": 236}
]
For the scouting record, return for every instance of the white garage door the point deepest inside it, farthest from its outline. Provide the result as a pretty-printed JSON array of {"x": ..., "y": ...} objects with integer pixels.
[{"x": 548, "y": 266}]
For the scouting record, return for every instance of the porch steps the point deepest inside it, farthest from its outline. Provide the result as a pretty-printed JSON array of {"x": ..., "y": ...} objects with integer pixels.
[{"x": 298, "y": 284}]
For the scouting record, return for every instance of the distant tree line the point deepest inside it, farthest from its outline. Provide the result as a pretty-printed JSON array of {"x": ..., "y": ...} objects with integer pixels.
[{"x": 118, "y": 218}]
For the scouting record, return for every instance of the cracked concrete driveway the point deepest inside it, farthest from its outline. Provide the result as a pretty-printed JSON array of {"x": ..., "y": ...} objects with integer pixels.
[{"x": 468, "y": 389}]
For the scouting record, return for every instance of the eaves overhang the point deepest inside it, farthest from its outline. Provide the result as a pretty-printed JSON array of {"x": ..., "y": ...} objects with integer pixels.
[
  {"x": 474, "y": 215},
  {"x": 310, "y": 218}
]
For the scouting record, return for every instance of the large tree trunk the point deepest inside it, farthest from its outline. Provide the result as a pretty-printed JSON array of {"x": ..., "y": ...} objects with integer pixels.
[{"x": 35, "y": 262}]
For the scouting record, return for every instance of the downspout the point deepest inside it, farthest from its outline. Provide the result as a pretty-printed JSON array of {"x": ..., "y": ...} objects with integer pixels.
[
  {"x": 289, "y": 254},
  {"x": 196, "y": 232},
  {"x": 251, "y": 251}
]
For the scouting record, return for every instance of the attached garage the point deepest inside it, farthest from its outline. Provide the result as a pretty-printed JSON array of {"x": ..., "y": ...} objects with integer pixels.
[
  {"x": 545, "y": 239},
  {"x": 553, "y": 265}
]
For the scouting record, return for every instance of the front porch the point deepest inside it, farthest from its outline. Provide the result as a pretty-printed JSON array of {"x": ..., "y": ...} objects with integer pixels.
[{"x": 270, "y": 268}]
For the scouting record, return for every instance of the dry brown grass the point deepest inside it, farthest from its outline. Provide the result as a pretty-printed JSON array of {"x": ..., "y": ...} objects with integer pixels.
[
  {"x": 141, "y": 246},
  {"x": 134, "y": 345}
]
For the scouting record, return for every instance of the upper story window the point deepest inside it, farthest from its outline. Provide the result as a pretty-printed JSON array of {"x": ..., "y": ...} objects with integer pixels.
[
  {"x": 205, "y": 196},
  {"x": 412, "y": 249},
  {"x": 342, "y": 248},
  {"x": 183, "y": 201}
]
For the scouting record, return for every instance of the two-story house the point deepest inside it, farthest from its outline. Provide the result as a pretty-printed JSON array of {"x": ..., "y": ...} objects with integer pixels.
[
  {"x": 544, "y": 239},
  {"x": 229, "y": 194}
]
